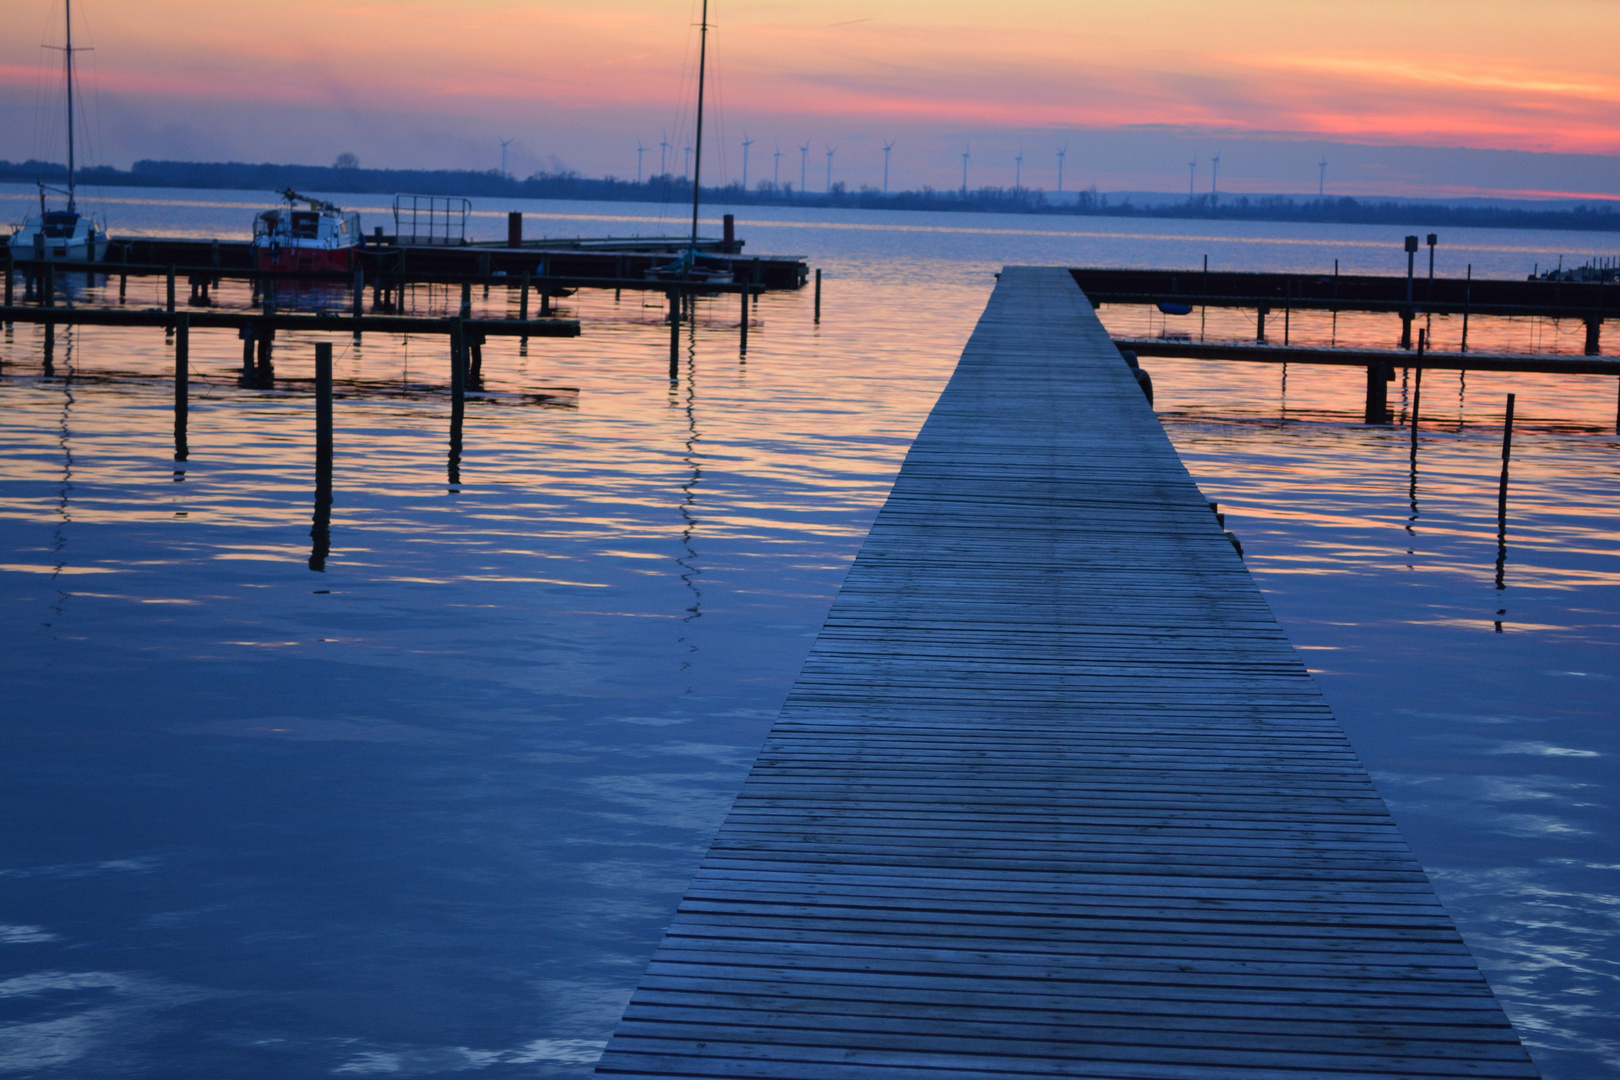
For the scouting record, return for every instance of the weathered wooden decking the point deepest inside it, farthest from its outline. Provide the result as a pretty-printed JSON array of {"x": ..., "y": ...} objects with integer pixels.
[{"x": 1053, "y": 795}]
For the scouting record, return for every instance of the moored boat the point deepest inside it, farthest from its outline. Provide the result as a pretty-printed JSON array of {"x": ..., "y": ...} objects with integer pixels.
[
  {"x": 320, "y": 237},
  {"x": 61, "y": 235}
]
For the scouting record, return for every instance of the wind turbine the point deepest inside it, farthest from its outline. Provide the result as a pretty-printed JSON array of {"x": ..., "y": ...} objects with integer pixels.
[
  {"x": 804, "y": 156},
  {"x": 1018, "y": 170},
  {"x": 831, "y": 150},
  {"x": 1215, "y": 178},
  {"x": 1192, "y": 171},
  {"x": 663, "y": 156},
  {"x": 747, "y": 142},
  {"x": 886, "y": 148},
  {"x": 965, "y": 154},
  {"x": 686, "y": 170},
  {"x": 639, "y": 151},
  {"x": 1061, "y": 154},
  {"x": 776, "y": 174},
  {"x": 1321, "y": 178},
  {"x": 504, "y": 144}
]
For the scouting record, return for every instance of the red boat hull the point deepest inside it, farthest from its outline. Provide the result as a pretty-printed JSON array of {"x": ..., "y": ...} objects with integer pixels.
[{"x": 306, "y": 260}]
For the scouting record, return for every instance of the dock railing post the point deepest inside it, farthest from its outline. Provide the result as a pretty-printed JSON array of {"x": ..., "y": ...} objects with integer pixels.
[
  {"x": 182, "y": 385},
  {"x": 321, "y": 529}
]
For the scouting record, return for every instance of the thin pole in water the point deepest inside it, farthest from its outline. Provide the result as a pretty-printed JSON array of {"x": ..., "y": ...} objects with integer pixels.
[
  {"x": 1417, "y": 387},
  {"x": 182, "y": 384},
  {"x": 1501, "y": 502},
  {"x": 818, "y": 294},
  {"x": 321, "y": 529}
]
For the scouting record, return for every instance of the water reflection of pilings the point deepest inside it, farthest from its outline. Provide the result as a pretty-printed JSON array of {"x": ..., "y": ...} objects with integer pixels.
[
  {"x": 690, "y": 571},
  {"x": 64, "y": 513}
]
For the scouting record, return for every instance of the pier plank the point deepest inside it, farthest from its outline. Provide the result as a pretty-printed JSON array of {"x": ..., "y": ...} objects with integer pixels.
[{"x": 1053, "y": 795}]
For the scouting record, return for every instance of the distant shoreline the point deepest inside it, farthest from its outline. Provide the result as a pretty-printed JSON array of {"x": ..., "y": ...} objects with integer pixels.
[{"x": 1587, "y": 217}]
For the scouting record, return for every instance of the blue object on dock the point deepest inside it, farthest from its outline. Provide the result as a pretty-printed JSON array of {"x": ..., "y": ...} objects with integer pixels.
[{"x": 1170, "y": 308}]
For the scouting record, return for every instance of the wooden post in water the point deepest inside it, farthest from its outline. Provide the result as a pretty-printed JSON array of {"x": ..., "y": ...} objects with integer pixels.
[
  {"x": 523, "y": 299},
  {"x": 1468, "y": 299},
  {"x": 818, "y": 294},
  {"x": 458, "y": 392},
  {"x": 466, "y": 299},
  {"x": 1406, "y": 312},
  {"x": 1507, "y": 453},
  {"x": 1260, "y": 323},
  {"x": 11, "y": 262},
  {"x": 171, "y": 289},
  {"x": 359, "y": 291},
  {"x": 514, "y": 229},
  {"x": 743, "y": 348},
  {"x": 321, "y": 529},
  {"x": 674, "y": 335},
  {"x": 182, "y": 384},
  {"x": 246, "y": 334},
  {"x": 47, "y": 297},
  {"x": 1417, "y": 387}
]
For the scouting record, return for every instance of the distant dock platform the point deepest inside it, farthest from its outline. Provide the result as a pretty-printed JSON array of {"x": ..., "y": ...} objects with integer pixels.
[{"x": 1053, "y": 795}]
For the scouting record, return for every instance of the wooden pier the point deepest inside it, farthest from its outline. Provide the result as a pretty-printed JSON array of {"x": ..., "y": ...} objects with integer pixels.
[{"x": 1053, "y": 795}]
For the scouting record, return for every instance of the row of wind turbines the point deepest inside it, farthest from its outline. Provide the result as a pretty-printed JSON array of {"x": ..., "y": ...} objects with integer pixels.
[{"x": 664, "y": 146}]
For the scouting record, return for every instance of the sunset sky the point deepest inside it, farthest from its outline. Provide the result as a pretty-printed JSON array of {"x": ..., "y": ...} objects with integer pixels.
[{"x": 1135, "y": 90}]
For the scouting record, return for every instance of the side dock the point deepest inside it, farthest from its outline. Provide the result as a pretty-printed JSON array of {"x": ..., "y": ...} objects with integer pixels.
[{"x": 1053, "y": 794}]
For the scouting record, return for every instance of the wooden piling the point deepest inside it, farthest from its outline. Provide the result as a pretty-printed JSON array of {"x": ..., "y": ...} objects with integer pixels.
[
  {"x": 1260, "y": 314},
  {"x": 323, "y": 399},
  {"x": 523, "y": 298},
  {"x": 47, "y": 297},
  {"x": 514, "y": 229},
  {"x": 246, "y": 333},
  {"x": 1594, "y": 327},
  {"x": 458, "y": 393},
  {"x": 359, "y": 291},
  {"x": 466, "y": 299},
  {"x": 10, "y": 270},
  {"x": 743, "y": 345},
  {"x": 1468, "y": 300},
  {"x": 1417, "y": 387},
  {"x": 182, "y": 384},
  {"x": 321, "y": 529},
  {"x": 818, "y": 294},
  {"x": 674, "y": 335},
  {"x": 171, "y": 289}
]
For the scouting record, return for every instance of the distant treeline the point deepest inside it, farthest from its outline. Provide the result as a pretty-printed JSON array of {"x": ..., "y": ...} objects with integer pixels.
[{"x": 349, "y": 177}]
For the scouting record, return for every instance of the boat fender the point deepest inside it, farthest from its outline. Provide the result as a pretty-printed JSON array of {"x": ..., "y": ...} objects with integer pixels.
[
  {"x": 1145, "y": 381},
  {"x": 1129, "y": 357}
]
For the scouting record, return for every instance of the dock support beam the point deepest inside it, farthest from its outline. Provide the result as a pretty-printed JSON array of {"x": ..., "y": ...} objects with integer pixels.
[
  {"x": 1260, "y": 324},
  {"x": 1594, "y": 330},
  {"x": 1379, "y": 375}
]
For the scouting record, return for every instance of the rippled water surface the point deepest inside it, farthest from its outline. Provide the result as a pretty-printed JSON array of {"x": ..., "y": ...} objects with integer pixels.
[{"x": 428, "y": 811}]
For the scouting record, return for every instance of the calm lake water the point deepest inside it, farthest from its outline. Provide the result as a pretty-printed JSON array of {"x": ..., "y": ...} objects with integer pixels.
[{"x": 428, "y": 812}]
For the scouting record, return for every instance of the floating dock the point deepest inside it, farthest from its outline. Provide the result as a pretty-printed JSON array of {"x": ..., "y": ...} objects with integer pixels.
[{"x": 1053, "y": 795}]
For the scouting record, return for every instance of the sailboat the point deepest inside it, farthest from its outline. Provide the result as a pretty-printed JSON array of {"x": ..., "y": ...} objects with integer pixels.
[
  {"x": 61, "y": 235},
  {"x": 691, "y": 266}
]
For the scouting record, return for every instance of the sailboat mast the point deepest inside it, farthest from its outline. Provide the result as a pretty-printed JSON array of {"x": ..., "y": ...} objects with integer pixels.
[
  {"x": 697, "y": 170},
  {"x": 68, "y": 60}
]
